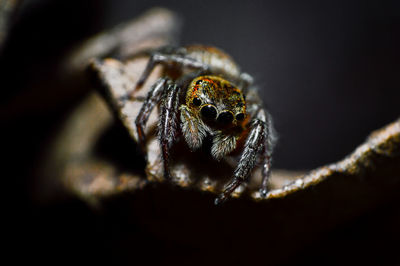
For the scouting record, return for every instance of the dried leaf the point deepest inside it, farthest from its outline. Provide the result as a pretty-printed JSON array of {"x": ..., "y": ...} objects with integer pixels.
[{"x": 297, "y": 211}]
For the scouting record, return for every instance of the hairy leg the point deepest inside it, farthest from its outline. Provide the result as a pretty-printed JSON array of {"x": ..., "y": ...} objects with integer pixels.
[
  {"x": 266, "y": 164},
  {"x": 165, "y": 57},
  {"x": 152, "y": 99},
  {"x": 255, "y": 143},
  {"x": 266, "y": 174},
  {"x": 245, "y": 81},
  {"x": 168, "y": 125}
]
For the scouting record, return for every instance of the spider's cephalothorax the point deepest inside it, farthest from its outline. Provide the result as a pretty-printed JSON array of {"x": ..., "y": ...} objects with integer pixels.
[
  {"x": 213, "y": 106},
  {"x": 203, "y": 93}
]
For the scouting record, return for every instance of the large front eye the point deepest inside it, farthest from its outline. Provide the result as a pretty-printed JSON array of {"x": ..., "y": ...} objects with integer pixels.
[
  {"x": 225, "y": 118},
  {"x": 209, "y": 112},
  {"x": 240, "y": 117}
]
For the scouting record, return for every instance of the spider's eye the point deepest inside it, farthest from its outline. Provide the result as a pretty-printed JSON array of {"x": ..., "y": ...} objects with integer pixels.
[
  {"x": 209, "y": 112},
  {"x": 197, "y": 101},
  {"x": 240, "y": 116},
  {"x": 225, "y": 117}
]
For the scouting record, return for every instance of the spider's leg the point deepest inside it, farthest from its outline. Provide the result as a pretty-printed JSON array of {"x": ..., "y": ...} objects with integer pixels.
[
  {"x": 161, "y": 57},
  {"x": 254, "y": 145},
  {"x": 146, "y": 72},
  {"x": 245, "y": 81},
  {"x": 153, "y": 97},
  {"x": 266, "y": 164},
  {"x": 266, "y": 174},
  {"x": 168, "y": 123}
]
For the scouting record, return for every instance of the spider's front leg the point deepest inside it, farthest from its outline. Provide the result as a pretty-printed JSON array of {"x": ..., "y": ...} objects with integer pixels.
[
  {"x": 152, "y": 99},
  {"x": 168, "y": 125},
  {"x": 256, "y": 142}
]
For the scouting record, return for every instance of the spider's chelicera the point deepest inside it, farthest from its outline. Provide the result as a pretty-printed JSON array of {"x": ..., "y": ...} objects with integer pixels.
[{"x": 203, "y": 94}]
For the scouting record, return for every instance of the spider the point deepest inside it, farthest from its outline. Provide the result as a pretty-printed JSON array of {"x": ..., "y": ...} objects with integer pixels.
[{"x": 203, "y": 94}]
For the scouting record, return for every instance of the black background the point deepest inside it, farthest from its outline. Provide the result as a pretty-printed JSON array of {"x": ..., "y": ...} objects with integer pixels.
[{"x": 328, "y": 71}]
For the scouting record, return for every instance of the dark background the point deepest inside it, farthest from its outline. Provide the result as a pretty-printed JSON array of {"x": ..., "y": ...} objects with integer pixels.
[{"x": 328, "y": 71}]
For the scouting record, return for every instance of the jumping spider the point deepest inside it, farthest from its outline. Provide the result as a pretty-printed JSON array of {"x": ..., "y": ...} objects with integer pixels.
[{"x": 203, "y": 94}]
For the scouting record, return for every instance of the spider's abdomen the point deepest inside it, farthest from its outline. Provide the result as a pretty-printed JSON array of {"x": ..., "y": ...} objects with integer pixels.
[{"x": 217, "y": 60}]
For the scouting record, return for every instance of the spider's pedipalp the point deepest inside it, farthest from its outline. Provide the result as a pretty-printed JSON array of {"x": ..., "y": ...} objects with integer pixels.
[
  {"x": 222, "y": 145},
  {"x": 193, "y": 128}
]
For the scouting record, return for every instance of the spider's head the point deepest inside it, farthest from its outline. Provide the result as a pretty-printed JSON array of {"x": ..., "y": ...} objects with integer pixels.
[{"x": 216, "y": 101}]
